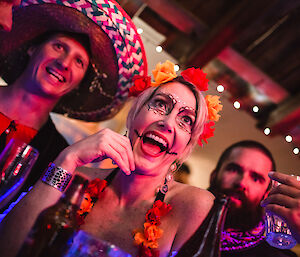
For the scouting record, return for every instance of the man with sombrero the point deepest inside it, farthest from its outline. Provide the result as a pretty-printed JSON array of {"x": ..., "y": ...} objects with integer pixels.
[{"x": 94, "y": 53}]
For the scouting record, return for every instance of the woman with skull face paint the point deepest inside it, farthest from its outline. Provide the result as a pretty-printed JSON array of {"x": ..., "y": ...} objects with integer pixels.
[{"x": 138, "y": 207}]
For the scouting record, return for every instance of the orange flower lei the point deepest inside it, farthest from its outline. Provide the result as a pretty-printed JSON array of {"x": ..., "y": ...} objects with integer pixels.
[
  {"x": 91, "y": 195},
  {"x": 165, "y": 72},
  {"x": 147, "y": 238}
]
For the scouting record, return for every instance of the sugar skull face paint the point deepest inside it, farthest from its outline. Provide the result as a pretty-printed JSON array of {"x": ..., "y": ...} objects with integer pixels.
[{"x": 164, "y": 103}]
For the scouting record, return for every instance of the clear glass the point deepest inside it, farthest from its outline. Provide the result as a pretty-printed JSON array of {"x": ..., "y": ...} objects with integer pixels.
[
  {"x": 16, "y": 161},
  {"x": 278, "y": 233},
  {"x": 86, "y": 245}
]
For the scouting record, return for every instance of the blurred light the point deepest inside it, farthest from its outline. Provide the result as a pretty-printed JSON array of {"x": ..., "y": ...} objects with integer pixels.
[
  {"x": 176, "y": 67},
  {"x": 267, "y": 131},
  {"x": 288, "y": 138},
  {"x": 236, "y": 105},
  {"x": 220, "y": 88},
  {"x": 140, "y": 30},
  {"x": 296, "y": 150},
  {"x": 158, "y": 49},
  {"x": 255, "y": 108}
]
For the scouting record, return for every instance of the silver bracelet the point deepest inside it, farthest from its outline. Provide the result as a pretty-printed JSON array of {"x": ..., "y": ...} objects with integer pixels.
[{"x": 57, "y": 177}]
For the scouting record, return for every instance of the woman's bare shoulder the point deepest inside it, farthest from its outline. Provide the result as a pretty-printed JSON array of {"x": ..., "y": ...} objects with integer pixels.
[
  {"x": 191, "y": 205},
  {"x": 190, "y": 201},
  {"x": 188, "y": 194}
]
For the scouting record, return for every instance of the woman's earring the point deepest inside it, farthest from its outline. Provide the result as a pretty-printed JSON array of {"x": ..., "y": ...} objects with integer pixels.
[
  {"x": 169, "y": 177},
  {"x": 125, "y": 134}
]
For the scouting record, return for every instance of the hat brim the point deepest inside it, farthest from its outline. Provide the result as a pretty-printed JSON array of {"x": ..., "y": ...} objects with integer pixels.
[{"x": 85, "y": 103}]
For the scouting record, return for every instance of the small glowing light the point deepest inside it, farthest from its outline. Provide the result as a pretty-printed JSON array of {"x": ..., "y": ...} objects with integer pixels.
[
  {"x": 296, "y": 150},
  {"x": 220, "y": 88},
  {"x": 140, "y": 30},
  {"x": 236, "y": 105},
  {"x": 255, "y": 108},
  {"x": 288, "y": 139},
  {"x": 176, "y": 67},
  {"x": 158, "y": 49},
  {"x": 267, "y": 131}
]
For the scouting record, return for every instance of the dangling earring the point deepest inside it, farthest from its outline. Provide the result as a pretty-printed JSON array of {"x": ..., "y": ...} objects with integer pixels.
[
  {"x": 171, "y": 171},
  {"x": 162, "y": 190}
]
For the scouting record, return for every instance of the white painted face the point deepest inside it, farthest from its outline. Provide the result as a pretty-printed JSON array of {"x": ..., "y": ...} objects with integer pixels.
[{"x": 162, "y": 129}]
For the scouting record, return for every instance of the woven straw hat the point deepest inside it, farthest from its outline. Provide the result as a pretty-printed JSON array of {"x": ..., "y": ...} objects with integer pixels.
[{"x": 116, "y": 47}]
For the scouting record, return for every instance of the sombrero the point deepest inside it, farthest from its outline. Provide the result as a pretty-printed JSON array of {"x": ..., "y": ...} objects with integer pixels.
[{"x": 116, "y": 47}]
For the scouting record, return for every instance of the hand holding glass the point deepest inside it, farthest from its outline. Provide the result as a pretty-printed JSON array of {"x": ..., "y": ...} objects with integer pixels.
[
  {"x": 16, "y": 161},
  {"x": 278, "y": 233}
]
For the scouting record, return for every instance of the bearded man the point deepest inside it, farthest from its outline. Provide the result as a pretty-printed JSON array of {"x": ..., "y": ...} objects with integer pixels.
[{"x": 242, "y": 174}]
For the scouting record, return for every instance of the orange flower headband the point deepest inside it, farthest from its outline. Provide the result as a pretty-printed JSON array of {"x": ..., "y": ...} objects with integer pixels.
[{"x": 165, "y": 72}]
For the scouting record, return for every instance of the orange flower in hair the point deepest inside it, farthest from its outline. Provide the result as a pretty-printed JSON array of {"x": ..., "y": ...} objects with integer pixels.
[
  {"x": 208, "y": 132},
  {"x": 213, "y": 107},
  {"x": 197, "y": 77},
  {"x": 163, "y": 73}
]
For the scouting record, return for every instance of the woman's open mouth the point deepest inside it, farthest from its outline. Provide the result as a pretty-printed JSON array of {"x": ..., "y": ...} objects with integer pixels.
[{"x": 153, "y": 144}]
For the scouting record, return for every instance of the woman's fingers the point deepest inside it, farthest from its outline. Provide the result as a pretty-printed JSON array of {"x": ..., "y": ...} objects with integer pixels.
[
  {"x": 120, "y": 155},
  {"x": 104, "y": 144}
]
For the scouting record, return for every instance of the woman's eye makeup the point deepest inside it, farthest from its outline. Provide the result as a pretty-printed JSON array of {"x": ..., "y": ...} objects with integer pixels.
[{"x": 163, "y": 104}]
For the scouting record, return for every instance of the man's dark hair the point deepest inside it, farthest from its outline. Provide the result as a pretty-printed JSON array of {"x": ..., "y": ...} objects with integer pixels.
[{"x": 242, "y": 144}]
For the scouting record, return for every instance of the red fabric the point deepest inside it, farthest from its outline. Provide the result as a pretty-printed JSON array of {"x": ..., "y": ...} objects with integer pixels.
[{"x": 22, "y": 132}]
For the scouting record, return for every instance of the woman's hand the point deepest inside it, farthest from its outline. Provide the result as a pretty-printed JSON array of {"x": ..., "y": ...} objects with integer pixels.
[
  {"x": 284, "y": 201},
  {"x": 104, "y": 144}
]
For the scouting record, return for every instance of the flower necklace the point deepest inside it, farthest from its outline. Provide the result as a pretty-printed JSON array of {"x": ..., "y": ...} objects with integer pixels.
[{"x": 146, "y": 238}]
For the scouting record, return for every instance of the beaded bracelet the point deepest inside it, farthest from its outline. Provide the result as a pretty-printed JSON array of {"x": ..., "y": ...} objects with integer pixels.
[{"x": 57, "y": 177}]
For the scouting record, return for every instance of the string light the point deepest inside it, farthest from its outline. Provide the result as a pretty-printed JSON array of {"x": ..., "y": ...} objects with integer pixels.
[
  {"x": 159, "y": 49},
  {"x": 267, "y": 131},
  {"x": 236, "y": 105},
  {"x": 288, "y": 139},
  {"x": 296, "y": 150},
  {"x": 176, "y": 67},
  {"x": 140, "y": 30},
  {"x": 220, "y": 88},
  {"x": 255, "y": 108}
]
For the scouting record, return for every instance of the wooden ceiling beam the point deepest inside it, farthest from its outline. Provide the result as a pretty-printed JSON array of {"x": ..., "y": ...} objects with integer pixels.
[
  {"x": 176, "y": 15},
  {"x": 286, "y": 117},
  {"x": 250, "y": 73},
  {"x": 227, "y": 30}
]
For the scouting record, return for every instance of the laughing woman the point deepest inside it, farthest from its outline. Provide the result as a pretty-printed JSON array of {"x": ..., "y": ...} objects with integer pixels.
[{"x": 166, "y": 121}]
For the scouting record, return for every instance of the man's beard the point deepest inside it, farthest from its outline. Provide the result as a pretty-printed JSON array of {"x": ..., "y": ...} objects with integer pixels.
[{"x": 244, "y": 217}]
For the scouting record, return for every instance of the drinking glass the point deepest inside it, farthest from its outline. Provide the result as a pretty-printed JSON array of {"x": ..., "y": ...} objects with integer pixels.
[
  {"x": 16, "y": 161},
  {"x": 86, "y": 245},
  {"x": 278, "y": 233}
]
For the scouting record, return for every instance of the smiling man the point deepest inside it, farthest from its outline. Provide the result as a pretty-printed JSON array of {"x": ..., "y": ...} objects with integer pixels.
[
  {"x": 242, "y": 173},
  {"x": 63, "y": 59}
]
